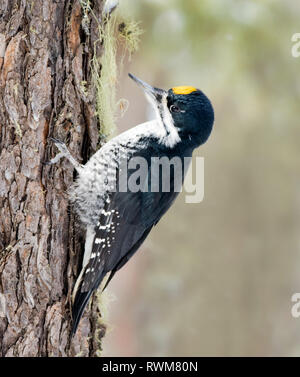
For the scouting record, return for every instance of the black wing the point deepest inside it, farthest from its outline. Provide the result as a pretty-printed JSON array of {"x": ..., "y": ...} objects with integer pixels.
[{"x": 125, "y": 221}]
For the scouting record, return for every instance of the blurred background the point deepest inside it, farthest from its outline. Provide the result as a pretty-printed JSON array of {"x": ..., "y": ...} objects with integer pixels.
[{"x": 216, "y": 278}]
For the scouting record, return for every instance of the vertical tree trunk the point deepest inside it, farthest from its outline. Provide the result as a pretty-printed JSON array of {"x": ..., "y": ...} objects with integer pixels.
[{"x": 45, "y": 90}]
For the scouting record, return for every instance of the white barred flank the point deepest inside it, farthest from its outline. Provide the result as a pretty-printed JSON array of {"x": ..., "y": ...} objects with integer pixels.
[{"x": 99, "y": 240}]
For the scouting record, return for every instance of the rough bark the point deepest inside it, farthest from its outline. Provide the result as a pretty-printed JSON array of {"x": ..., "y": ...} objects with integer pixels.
[{"x": 45, "y": 90}]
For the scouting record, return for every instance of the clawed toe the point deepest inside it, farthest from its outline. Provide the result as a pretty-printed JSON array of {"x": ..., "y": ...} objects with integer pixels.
[
  {"x": 56, "y": 141},
  {"x": 63, "y": 152},
  {"x": 46, "y": 163}
]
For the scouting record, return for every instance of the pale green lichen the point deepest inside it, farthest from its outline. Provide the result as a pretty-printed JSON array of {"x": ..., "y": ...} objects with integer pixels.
[
  {"x": 5, "y": 252},
  {"x": 83, "y": 87},
  {"x": 130, "y": 32},
  {"x": 103, "y": 302},
  {"x": 105, "y": 69},
  {"x": 105, "y": 79},
  {"x": 18, "y": 130},
  {"x": 85, "y": 5}
]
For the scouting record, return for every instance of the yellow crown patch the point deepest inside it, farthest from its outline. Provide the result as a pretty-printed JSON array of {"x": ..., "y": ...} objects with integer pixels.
[{"x": 183, "y": 89}]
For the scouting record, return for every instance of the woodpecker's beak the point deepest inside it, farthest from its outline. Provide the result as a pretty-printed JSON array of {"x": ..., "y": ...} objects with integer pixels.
[{"x": 154, "y": 93}]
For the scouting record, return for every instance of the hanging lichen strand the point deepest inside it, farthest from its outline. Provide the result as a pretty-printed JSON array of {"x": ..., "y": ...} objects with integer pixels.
[
  {"x": 105, "y": 81},
  {"x": 105, "y": 75}
]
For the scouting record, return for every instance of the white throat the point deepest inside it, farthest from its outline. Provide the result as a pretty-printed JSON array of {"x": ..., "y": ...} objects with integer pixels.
[{"x": 170, "y": 136}]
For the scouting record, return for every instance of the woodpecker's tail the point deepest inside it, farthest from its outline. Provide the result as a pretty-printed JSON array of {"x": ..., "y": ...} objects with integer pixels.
[{"x": 80, "y": 302}]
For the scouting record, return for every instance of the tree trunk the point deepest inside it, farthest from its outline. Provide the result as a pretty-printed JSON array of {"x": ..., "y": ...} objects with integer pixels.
[{"x": 45, "y": 90}]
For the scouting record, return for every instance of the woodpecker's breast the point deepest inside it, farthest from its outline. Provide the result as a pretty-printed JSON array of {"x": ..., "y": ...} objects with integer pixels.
[{"x": 91, "y": 191}]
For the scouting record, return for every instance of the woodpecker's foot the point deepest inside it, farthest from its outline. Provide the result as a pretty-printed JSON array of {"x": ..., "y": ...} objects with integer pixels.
[
  {"x": 63, "y": 152},
  {"x": 61, "y": 146}
]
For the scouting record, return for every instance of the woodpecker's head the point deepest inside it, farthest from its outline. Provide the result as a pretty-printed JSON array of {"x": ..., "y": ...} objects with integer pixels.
[{"x": 186, "y": 112}]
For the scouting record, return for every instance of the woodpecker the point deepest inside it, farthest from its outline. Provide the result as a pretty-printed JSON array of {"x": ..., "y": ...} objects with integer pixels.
[{"x": 118, "y": 221}]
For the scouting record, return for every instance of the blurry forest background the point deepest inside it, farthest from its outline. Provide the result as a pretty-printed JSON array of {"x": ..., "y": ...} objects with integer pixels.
[{"x": 216, "y": 278}]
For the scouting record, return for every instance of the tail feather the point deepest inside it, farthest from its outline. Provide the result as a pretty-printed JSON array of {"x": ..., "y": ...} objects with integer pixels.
[
  {"x": 79, "y": 305},
  {"x": 81, "y": 300}
]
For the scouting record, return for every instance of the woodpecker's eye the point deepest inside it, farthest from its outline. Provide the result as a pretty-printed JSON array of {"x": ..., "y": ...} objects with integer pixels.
[{"x": 174, "y": 109}]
